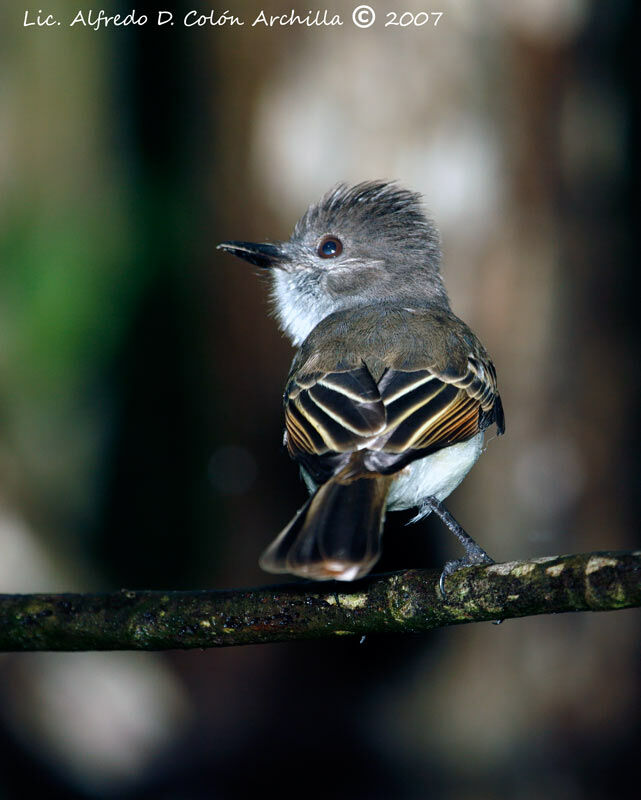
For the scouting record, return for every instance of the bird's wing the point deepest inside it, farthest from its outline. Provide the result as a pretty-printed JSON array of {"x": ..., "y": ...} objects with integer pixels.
[
  {"x": 408, "y": 414},
  {"x": 330, "y": 415},
  {"x": 428, "y": 409}
]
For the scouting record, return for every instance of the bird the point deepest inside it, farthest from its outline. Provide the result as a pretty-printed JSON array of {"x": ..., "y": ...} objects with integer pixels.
[{"x": 389, "y": 393}]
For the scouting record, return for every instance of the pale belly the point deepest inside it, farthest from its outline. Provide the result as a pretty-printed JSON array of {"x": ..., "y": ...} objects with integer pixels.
[{"x": 435, "y": 475}]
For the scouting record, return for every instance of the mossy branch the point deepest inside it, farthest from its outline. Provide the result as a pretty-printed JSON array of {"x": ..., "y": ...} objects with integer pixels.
[{"x": 403, "y": 602}]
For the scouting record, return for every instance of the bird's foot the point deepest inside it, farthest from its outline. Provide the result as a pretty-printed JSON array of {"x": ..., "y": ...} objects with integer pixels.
[
  {"x": 474, "y": 556},
  {"x": 474, "y": 553}
]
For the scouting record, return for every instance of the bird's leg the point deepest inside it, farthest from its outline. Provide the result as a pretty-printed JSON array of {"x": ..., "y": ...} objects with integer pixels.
[{"x": 474, "y": 554}]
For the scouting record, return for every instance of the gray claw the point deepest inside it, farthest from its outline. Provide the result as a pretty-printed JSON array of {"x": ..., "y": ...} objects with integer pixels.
[{"x": 471, "y": 559}]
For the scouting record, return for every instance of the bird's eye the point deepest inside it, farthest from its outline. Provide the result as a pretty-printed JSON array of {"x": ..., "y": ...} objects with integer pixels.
[{"x": 330, "y": 247}]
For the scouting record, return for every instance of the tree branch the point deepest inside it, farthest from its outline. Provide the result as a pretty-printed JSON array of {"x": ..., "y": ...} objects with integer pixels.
[{"x": 403, "y": 602}]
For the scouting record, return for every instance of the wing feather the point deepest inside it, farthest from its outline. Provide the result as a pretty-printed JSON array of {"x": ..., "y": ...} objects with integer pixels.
[
  {"x": 338, "y": 412},
  {"x": 334, "y": 434},
  {"x": 416, "y": 402},
  {"x": 424, "y": 416},
  {"x": 361, "y": 418},
  {"x": 301, "y": 435},
  {"x": 357, "y": 385},
  {"x": 408, "y": 414},
  {"x": 394, "y": 384}
]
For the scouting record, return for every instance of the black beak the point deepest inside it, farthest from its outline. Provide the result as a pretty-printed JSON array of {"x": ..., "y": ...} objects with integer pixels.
[{"x": 262, "y": 255}]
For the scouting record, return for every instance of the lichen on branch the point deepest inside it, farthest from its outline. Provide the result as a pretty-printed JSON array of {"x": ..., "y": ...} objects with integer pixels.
[{"x": 402, "y": 602}]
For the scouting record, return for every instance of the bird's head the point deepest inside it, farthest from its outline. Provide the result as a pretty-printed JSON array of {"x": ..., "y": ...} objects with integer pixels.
[{"x": 358, "y": 245}]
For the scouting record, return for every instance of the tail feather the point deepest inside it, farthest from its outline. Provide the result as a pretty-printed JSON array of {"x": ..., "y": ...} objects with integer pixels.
[{"x": 336, "y": 535}]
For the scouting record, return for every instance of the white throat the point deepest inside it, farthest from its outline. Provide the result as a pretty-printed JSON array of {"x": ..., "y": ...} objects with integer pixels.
[{"x": 300, "y": 304}]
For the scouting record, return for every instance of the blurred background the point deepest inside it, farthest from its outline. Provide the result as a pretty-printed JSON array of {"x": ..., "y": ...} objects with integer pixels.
[{"x": 141, "y": 381}]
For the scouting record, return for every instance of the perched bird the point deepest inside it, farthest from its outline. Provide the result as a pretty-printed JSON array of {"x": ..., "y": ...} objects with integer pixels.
[{"x": 389, "y": 393}]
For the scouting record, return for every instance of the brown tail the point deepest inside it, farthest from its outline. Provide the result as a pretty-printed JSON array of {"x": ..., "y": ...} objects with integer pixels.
[{"x": 336, "y": 535}]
